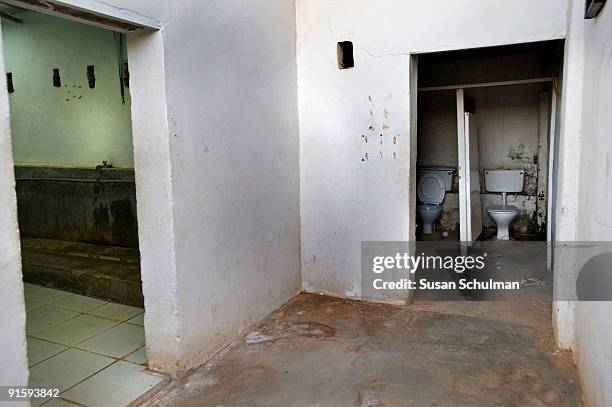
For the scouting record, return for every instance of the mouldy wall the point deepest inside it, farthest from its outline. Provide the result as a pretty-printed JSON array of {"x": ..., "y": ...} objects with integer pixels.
[
  {"x": 83, "y": 205},
  {"x": 71, "y": 125}
]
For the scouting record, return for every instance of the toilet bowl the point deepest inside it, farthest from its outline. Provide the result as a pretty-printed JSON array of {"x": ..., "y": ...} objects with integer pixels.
[
  {"x": 429, "y": 213},
  {"x": 503, "y": 181},
  {"x": 431, "y": 190},
  {"x": 503, "y": 215}
]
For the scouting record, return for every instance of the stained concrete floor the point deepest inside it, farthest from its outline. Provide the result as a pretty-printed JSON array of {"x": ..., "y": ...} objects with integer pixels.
[
  {"x": 322, "y": 351},
  {"x": 105, "y": 272}
]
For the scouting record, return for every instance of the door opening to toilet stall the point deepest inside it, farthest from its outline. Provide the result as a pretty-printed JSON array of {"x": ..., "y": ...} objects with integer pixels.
[{"x": 485, "y": 142}]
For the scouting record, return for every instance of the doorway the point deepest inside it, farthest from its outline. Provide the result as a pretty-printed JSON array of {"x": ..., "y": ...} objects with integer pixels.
[
  {"x": 69, "y": 99},
  {"x": 482, "y": 111}
]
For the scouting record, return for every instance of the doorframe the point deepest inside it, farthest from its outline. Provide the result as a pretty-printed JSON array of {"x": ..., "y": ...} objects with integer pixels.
[{"x": 152, "y": 167}]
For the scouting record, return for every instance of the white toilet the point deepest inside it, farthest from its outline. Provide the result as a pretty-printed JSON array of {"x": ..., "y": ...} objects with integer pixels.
[
  {"x": 432, "y": 187},
  {"x": 503, "y": 181}
]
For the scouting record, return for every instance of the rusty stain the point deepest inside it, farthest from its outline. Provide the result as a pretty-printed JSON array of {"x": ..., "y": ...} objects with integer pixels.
[
  {"x": 366, "y": 156},
  {"x": 371, "y": 128},
  {"x": 386, "y": 127},
  {"x": 394, "y": 139},
  {"x": 371, "y": 112}
]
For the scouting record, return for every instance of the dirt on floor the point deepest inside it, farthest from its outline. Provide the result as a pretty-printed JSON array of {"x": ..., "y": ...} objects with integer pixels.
[{"x": 323, "y": 351}]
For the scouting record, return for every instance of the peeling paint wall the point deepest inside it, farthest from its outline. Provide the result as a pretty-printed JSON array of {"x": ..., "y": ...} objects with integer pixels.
[
  {"x": 71, "y": 125},
  {"x": 344, "y": 200}
]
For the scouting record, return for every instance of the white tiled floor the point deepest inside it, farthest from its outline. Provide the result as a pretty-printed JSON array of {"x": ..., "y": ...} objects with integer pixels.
[
  {"x": 117, "y": 312},
  {"x": 93, "y": 350}
]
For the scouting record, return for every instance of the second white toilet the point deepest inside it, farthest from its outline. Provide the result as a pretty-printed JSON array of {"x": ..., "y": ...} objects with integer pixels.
[{"x": 503, "y": 181}]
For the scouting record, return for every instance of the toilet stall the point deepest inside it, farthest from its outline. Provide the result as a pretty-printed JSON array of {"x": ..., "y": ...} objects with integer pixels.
[{"x": 486, "y": 122}]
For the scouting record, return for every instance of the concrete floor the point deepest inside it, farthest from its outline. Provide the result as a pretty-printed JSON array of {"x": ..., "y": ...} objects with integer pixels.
[{"x": 322, "y": 351}]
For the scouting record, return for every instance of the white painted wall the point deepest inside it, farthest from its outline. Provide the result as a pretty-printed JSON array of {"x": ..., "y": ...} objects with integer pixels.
[
  {"x": 13, "y": 357},
  {"x": 344, "y": 200},
  {"x": 233, "y": 127},
  {"x": 590, "y": 120},
  {"x": 231, "y": 110}
]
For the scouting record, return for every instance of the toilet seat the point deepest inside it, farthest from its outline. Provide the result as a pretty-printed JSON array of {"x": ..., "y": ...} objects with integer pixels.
[
  {"x": 431, "y": 189},
  {"x": 502, "y": 209}
]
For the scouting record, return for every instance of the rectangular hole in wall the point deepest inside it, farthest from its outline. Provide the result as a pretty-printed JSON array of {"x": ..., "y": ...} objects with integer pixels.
[
  {"x": 91, "y": 76},
  {"x": 57, "y": 81},
  {"x": 345, "y": 55},
  {"x": 9, "y": 82}
]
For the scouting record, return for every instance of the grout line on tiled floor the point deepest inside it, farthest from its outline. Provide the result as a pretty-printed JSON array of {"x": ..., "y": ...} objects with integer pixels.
[
  {"x": 146, "y": 364},
  {"x": 68, "y": 309},
  {"x": 88, "y": 377},
  {"x": 48, "y": 402},
  {"x": 52, "y": 325},
  {"x": 75, "y": 346},
  {"x": 68, "y": 347},
  {"x": 55, "y": 354}
]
